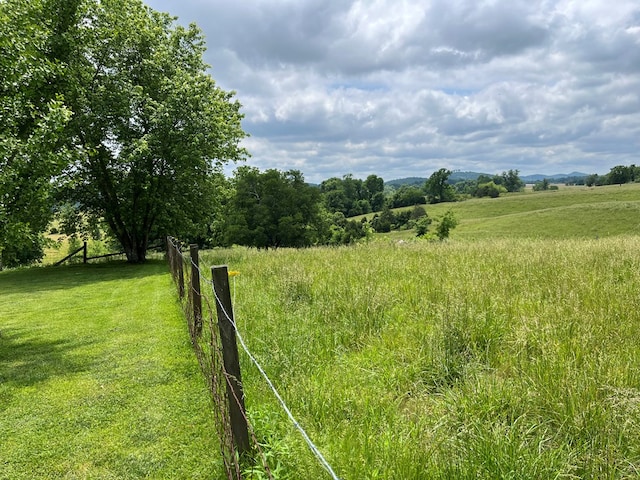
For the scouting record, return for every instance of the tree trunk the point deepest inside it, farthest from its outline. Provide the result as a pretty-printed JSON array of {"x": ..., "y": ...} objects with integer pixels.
[
  {"x": 135, "y": 249},
  {"x": 141, "y": 250}
]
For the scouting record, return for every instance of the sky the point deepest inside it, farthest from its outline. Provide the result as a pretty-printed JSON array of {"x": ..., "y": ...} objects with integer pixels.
[{"x": 402, "y": 88}]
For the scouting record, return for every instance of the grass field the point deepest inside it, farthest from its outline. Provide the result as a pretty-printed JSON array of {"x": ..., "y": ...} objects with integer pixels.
[
  {"x": 509, "y": 352},
  {"x": 570, "y": 212},
  {"x": 491, "y": 359},
  {"x": 97, "y": 377}
]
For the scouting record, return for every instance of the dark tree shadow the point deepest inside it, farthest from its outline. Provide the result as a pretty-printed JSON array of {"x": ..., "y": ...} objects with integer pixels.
[
  {"x": 26, "y": 361},
  {"x": 67, "y": 276}
]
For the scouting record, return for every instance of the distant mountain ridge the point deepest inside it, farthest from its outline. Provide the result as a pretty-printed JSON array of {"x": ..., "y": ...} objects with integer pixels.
[
  {"x": 557, "y": 176},
  {"x": 460, "y": 176}
]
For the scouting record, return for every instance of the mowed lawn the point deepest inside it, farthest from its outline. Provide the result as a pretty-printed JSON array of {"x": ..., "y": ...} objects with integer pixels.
[{"x": 98, "y": 379}]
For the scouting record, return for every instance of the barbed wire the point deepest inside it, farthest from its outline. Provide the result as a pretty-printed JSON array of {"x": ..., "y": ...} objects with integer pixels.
[{"x": 314, "y": 449}]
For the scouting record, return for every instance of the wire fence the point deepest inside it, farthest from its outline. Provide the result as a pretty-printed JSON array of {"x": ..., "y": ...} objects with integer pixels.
[
  {"x": 200, "y": 312},
  {"x": 206, "y": 339}
]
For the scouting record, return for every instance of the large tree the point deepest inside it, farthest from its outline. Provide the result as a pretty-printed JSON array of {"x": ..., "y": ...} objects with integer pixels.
[
  {"x": 407, "y": 196},
  {"x": 273, "y": 209},
  {"x": 111, "y": 103},
  {"x": 375, "y": 192},
  {"x": 620, "y": 174},
  {"x": 512, "y": 181},
  {"x": 32, "y": 116},
  {"x": 437, "y": 187},
  {"x": 353, "y": 196},
  {"x": 150, "y": 126}
]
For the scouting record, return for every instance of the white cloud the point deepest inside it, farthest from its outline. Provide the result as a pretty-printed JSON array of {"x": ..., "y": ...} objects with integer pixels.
[{"x": 402, "y": 88}]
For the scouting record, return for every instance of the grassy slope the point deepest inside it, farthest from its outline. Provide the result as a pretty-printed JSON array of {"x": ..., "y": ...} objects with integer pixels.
[
  {"x": 97, "y": 378},
  {"x": 574, "y": 212},
  {"x": 508, "y": 352},
  {"x": 491, "y": 359}
]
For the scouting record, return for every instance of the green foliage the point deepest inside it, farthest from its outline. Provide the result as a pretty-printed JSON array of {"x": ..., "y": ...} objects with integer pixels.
[
  {"x": 511, "y": 181},
  {"x": 541, "y": 186},
  {"x": 352, "y": 196},
  {"x": 437, "y": 187},
  {"x": 152, "y": 126},
  {"x": 447, "y": 223},
  {"x": 384, "y": 222},
  {"x": 33, "y": 116},
  {"x": 621, "y": 174},
  {"x": 273, "y": 209},
  {"x": 618, "y": 175},
  {"x": 466, "y": 187},
  {"x": 422, "y": 225},
  {"x": 544, "y": 186},
  {"x": 486, "y": 186},
  {"x": 407, "y": 195},
  {"x": 489, "y": 189},
  {"x": 111, "y": 103},
  {"x": 348, "y": 232},
  {"x": 399, "y": 219},
  {"x": 375, "y": 192},
  {"x": 594, "y": 180},
  {"x": 417, "y": 212}
]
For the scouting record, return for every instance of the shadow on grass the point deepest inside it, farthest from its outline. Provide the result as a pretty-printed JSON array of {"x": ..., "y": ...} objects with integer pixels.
[
  {"x": 26, "y": 360},
  {"x": 55, "y": 278}
]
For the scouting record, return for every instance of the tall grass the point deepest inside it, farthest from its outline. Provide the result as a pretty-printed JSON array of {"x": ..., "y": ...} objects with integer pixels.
[{"x": 514, "y": 358}]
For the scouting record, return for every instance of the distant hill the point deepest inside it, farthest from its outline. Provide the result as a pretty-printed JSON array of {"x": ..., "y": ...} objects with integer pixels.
[
  {"x": 558, "y": 177},
  {"x": 406, "y": 181},
  {"x": 461, "y": 176}
]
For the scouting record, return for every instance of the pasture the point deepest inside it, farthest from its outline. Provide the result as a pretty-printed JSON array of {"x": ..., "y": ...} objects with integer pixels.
[
  {"x": 514, "y": 358},
  {"x": 570, "y": 212},
  {"x": 509, "y": 352},
  {"x": 97, "y": 377}
]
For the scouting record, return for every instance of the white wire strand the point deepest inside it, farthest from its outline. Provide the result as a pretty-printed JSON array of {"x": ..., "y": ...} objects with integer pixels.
[
  {"x": 311, "y": 445},
  {"x": 296, "y": 424}
]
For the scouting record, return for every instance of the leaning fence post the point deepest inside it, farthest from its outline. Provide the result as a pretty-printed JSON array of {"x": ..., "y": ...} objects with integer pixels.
[
  {"x": 194, "y": 289},
  {"x": 230, "y": 358}
]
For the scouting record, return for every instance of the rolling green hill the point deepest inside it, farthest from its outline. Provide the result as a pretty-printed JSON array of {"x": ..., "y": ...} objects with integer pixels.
[{"x": 570, "y": 212}]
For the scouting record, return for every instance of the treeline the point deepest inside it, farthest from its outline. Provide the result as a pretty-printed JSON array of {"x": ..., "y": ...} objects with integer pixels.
[
  {"x": 490, "y": 186},
  {"x": 273, "y": 209},
  {"x": 618, "y": 175},
  {"x": 353, "y": 196}
]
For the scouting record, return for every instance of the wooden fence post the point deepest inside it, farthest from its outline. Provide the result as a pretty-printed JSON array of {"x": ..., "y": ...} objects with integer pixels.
[
  {"x": 84, "y": 252},
  {"x": 194, "y": 289},
  {"x": 180, "y": 271},
  {"x": 168, "y": 245},
  {"x": 230, "y": 358},
  {"x": 171, "y": 257}
]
